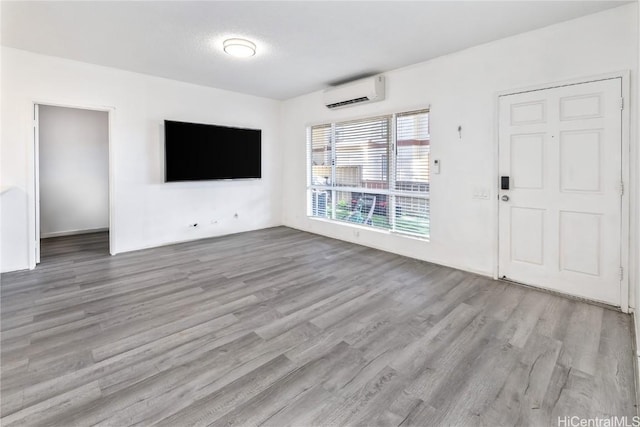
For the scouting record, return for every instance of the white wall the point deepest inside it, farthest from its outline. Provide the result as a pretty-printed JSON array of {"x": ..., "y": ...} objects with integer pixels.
[
  {"x": 12, "y": 224},
  {"x": 462, "y": 89},
  {"x": 74, "y": 170},
  {"x": 147, "y": 212}
]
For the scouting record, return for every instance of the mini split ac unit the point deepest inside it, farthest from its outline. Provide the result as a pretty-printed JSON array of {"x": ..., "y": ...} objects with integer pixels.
[{"x": 358, "y": 92}]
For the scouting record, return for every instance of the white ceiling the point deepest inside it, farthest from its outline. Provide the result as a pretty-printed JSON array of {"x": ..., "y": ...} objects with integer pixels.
[{"x": 302, "y": 46}]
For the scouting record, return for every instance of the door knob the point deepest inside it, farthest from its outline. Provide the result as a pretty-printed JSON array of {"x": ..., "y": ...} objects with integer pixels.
[{"x": 505, "y": 198}]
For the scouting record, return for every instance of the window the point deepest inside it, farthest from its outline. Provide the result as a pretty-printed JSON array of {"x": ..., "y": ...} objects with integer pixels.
[{"x": 372, "y": 172}]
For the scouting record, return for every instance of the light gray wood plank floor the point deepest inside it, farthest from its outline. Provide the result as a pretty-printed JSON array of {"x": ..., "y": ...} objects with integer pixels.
[{"x": 280, "y": 327}]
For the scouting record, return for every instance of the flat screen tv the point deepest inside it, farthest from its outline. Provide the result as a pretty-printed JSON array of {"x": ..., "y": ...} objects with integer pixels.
[{"x": 197, "y": 152}]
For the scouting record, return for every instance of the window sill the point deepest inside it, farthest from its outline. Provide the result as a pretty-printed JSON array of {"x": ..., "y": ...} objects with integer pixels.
[{"x": 372, "y": 229}]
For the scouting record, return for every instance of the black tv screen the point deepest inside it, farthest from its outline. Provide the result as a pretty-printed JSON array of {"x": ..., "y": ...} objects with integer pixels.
[{"x": 196, "y": 152}]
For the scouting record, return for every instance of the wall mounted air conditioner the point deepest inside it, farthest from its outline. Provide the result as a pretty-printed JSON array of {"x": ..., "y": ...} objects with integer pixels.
[{"x": 358, "y": 92}]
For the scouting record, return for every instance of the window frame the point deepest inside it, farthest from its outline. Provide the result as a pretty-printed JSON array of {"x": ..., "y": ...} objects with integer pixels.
[{"x": 391, "y": 193}]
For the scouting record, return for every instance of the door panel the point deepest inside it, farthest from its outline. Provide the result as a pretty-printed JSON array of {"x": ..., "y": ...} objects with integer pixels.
[
  {"x": 581, "y": 106},
  {"x": 580, "y": 242},
  {"x": 527, "y": 113},
  {"x": 527, "y": 243},
  {"x": 527, "y": 157},
  {"x": 581, "y": 160},
  {"x": 560, "y": 226}
]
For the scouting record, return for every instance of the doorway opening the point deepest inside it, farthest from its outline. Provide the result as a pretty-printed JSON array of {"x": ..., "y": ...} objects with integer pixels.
[{"x": 72, "y": 182}]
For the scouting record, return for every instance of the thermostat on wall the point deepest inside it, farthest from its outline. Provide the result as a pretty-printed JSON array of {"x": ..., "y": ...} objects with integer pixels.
[{"x": 436, "y": 166}]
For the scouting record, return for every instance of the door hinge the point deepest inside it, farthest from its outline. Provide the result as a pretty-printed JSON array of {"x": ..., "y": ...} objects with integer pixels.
[
  {"x": 35, "y": 123},
  {"x": 621, "y": 188},
  {"x": 621, "y": 273},
  {"x": 622, "y": 103}
]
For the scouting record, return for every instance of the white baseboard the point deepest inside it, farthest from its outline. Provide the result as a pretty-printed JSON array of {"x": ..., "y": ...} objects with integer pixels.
[{"x": 71, "y": 232}]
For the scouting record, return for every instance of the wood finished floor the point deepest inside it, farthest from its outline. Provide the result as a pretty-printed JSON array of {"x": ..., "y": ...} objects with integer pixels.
[{"x": 279, "y": 327}]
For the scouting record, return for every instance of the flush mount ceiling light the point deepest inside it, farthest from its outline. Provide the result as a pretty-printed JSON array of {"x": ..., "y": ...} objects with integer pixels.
[{"x": 239, "y": 47}]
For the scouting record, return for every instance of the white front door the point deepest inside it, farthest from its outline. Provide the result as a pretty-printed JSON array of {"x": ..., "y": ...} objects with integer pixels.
[{"x": 560, "y": 219}]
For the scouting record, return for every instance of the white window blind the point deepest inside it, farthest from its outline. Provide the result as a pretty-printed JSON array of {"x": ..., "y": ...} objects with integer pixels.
[
  {"x": 412, "y": 145},
  {"x": 412, "y": 172},
  {"x": 321, "y": 155},
  {"x": 364, "y": 173},
  {"x": 362, "y": 152}
]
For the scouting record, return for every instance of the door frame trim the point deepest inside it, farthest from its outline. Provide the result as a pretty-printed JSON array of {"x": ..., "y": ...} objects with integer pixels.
[
  {"x": 33, "y": 155},
  {"x": 625, "y": 213}
]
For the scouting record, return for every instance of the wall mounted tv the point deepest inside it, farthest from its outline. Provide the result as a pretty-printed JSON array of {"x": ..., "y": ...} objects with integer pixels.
[{"x": 196, "y": 152}]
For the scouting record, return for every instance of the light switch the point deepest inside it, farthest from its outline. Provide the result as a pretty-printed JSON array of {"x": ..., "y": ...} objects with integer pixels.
[{"x": 481, "y": 193}]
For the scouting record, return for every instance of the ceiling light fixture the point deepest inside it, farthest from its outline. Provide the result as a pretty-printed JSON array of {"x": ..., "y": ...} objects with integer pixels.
[{"x": 239, "y": 47}]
